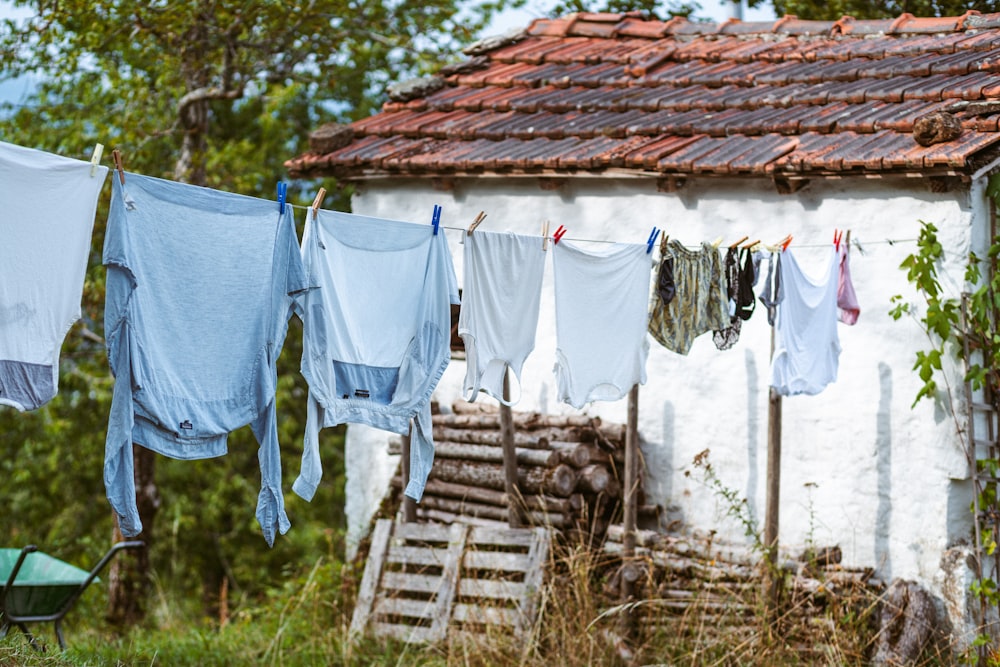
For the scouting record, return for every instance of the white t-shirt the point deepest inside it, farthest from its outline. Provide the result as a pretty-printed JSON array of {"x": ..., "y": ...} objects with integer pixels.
[
  {"x": 806, "y": 344},
  {"x": 47, "y": 208}
]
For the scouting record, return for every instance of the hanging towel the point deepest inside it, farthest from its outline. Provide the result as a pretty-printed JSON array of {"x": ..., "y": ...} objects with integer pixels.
[
  {"x": 376, "y": 333},
  {"x": 47, "y": 208},
  {"x": 500, "y": 302},
  {"x": 198, "y": 299},
  {"x": 806, "y": 345},
  {"x": 601, "y": 317},
  {"x": 700, "y": 302}
]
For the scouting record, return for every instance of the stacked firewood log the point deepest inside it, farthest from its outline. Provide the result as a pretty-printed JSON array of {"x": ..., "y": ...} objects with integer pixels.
[
  {"x": 567, "y": 469},
  {"x": 694, "y": 582}
]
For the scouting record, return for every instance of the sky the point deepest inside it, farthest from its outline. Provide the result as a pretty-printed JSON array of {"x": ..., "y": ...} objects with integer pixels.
[{"x": 716, "y": 10}]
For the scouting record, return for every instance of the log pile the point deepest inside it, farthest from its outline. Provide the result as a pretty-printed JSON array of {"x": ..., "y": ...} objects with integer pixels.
[
  {"x": 694, "y": 583},
  {"x": 567, "y": 469}
]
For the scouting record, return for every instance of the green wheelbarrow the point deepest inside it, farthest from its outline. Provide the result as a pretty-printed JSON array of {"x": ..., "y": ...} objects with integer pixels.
[{"x": 40, "y": 588}]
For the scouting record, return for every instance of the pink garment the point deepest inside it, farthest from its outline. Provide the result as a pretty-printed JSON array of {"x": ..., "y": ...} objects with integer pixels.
[{"x": 847, "y": 301}]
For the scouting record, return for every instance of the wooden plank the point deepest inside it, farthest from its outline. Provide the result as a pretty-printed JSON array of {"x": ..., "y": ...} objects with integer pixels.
[
  {"x": 495, "y": 560},
  {"x": 491, "y": 588},
  {"x": 404, "y": 607},
  {"x": 407, "y": 633},
  {"x": 412, "y": 583},
  {"x": 538, "y": 557},
  {"x": 423, "y": 556},
  {"x": 514, "y": 537},
  {"x": 370, "y": 579},
  {"x": 448, "y": 583},
  {"x": 409, "y": 509},
  {"x": 491, "y": 615},
  {"x": 421, "y": 533}
]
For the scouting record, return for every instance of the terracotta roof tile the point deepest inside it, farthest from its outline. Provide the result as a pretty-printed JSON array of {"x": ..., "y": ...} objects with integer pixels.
[{"x": 595, "y": 91}]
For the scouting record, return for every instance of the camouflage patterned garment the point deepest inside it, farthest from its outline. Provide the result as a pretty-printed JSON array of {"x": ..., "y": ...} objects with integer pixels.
[{"x": 700, "y": 302}]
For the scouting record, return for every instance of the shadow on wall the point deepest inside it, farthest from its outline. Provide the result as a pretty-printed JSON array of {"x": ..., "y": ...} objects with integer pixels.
[
  {"x": 661, "y": 468},
  {"x": 883, "y": 466}
]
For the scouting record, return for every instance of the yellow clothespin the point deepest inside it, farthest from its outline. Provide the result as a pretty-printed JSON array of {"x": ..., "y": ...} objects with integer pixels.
[
  {"x": 320, "y": 196},
  {"x": 717, "y": 242},
  {"x": 545, "y": 235},
  {"x": 475, "y": 223},
  {"x": 95, "y": 159},
  {"x": 117, "y": 157}
]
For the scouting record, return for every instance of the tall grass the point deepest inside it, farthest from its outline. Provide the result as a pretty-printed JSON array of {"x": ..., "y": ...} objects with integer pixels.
[{"x": 305, "y": 621}]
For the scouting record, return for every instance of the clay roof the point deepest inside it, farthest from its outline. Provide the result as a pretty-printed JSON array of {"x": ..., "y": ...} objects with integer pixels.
[{"x": 619, "y": 92}]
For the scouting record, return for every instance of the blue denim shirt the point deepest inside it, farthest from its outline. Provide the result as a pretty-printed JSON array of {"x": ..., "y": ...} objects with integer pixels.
[
  {"x": 199, "y": 289},
  {"x": 377, "y": 332}
]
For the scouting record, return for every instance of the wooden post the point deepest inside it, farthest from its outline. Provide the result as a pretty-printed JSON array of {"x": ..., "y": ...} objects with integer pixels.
[
  {"x": 409, "y": 504},
  {"x": 629, "y": 571},
  {"x": 515, "y": 514},
  {"x": 772, "y": 511}
]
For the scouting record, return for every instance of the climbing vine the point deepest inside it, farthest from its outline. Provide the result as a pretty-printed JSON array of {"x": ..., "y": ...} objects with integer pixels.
[{"x": 951, "y": 334}]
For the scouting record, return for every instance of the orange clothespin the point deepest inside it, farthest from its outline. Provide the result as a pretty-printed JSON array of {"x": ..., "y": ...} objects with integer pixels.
[
  {"x": 475, "y": 223},
  {"x": 116, "y": 155},
  {"x": 751, "y": 244},
  {"x": 786, "y": 242},
  {"x": 320, "y": 196},
  {"x": 545, "y": 235},
  {"x": 732, "y": 246}
]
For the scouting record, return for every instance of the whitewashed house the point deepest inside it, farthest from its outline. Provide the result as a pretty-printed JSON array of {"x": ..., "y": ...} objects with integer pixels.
[{"x": 612, "y": 124}]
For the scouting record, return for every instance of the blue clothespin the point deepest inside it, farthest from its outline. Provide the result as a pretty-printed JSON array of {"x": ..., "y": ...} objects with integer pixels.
[
  {"x": 282, "y": 193},
  {"x": 436, "y": 219},
  {"x": 652, "y": 239}
]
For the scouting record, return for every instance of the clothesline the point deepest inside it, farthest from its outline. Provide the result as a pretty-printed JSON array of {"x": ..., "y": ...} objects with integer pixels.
[{"x": 854, "y": 242}]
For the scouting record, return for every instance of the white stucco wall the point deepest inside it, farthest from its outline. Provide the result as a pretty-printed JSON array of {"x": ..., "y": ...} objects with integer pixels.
[{"x": 860, "y": 468}]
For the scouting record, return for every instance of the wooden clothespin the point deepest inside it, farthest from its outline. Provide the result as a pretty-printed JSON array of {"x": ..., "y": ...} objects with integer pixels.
[
  {"x": 848, "y": 241},
  {"x": 95, "y": 159},
  {"x": 751, "y": 244},
  {"x": 475, "y": 223},
  {"x": 320, "y": 196},
  {"x": 545, "y": 235},
  {"x": 116, "y": 155},
  {"x": 732, "y": 246},
  {"x": 663, "y": 243}
]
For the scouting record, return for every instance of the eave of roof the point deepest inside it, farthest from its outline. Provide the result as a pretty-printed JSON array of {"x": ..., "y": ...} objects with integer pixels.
[{"x": 595, "y": 93}]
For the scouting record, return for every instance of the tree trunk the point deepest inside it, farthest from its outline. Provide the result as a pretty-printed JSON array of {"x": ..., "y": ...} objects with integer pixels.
[
  {"x": 128, "y": 577},
  {"x": 559, "y": 481}
]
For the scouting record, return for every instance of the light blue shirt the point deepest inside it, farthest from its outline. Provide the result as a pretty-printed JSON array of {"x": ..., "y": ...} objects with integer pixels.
[
  {"x": 199, "y": 289},
  {"x": 377, "y": 332}
]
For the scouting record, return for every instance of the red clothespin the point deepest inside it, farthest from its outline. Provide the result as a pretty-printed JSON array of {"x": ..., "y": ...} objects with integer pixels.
[
  {"x": 786, "y": 243},
  {"x": 559, "y": 233},
  {"x": 837, "y": 235}
]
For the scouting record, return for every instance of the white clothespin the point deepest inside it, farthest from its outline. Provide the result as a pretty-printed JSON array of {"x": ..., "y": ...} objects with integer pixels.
[{"x": 95, "y": 159}]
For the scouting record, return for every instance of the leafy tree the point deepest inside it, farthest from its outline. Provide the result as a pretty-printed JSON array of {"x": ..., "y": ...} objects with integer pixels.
[
  {"x": 216, "y": 93},
  {"x": 832, "y": 10}
]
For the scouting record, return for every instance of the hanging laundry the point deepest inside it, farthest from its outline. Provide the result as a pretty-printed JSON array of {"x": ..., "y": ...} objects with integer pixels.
[
  {"x": 740, "y": 277},
  {"x": 806, "y": 345},
  {"x": 500, "y": 302},
  {"x": 772, "y": 293},
  {"x": 48, "y": 203},
  {"x": 376, "y": 336},
  {"x": 199, "y": 292},
  {"x": 601, "y": 318},
  {"x": 847, "y": 301},
  {"x": 700, "y": 302}
]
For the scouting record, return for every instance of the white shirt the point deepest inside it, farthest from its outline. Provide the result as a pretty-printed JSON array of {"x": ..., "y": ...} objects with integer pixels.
[{"x": 47, "y": 209}]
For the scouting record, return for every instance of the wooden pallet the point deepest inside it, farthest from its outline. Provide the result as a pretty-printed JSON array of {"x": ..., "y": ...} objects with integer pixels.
[{"x": 424, "y": 581}]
